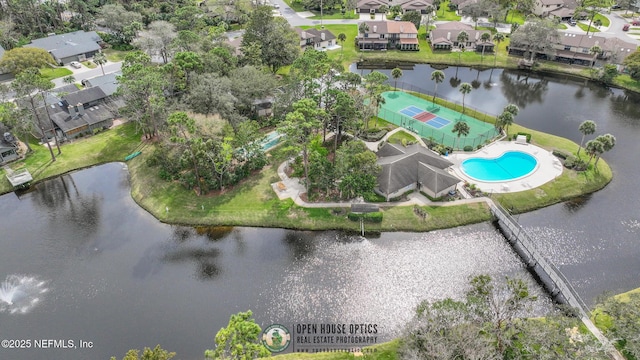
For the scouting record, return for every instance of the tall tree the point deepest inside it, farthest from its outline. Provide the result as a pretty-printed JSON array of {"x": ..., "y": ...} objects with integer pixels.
[
  {"x": 414, "y": 17},
  {"x": 156, "y": 353},
  {"x": 100, "y": 59},
  {"x": 587, "y": 127},
  {"x": 20, "y": 59},
  {"x": 485, "y": 37},
  {"x": 279, "y": 43},
  {"x": 498, "y": 38},
  {"x": 592, "y": 8},
  {"x": 300, "y": 127},
  {"x": 504, "y": 120},
  {"x": 157, "y": 39},
  {"x": 182, "y": 129},
  {"x": 210, "y": 94},
  {"x": 395, "y": 74},
  {"x": 342, "y": 37},
  {"x": 593, "y": 148},
  {"x": 357, "y": 169},
  {"x": 460, "y": 128},
  {"x": 437, "y": 77},
  {"x": 608, "y": 141},
  {"x": 363, "y": 28},
  {"x": 30, "y": 86},
  {"x": 239, "y": 340},
  {"x": 121, "y": 22},
  {"x": 462, "y": 39},
  {"x": 70, "y": 79},
  {"x": 464, "y": 88},
  {"x": 536, "y": 36}
]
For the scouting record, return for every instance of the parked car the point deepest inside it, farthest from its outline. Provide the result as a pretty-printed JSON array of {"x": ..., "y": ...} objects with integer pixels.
[
  {"x": 635, "y": 22},
  {"x": 626, "y": 27},
  {"x": 615, "y": 6},
  {"x": 75, "y": 64},
  {"x": 572, "y": 22}
]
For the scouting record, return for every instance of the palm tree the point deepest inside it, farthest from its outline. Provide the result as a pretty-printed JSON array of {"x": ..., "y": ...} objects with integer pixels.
[
  {"x": 465, "y": 88},
  {"x": 69, "y": 79},
  {"x": 460, "y": 128},
  {"x": 512, "y": 108},
  {"x": 395, "y": 74},
  {"x": 595, "y": 50},
  {"x": 593, "y": 148},
  {"x": 383, "y": 9},
  {"x": 587, "y": 127},
  {"x": 437, "y": 76},
  {"x": 498, "y": 38},
  {"x": 462, "y": 39},
  {"x": 342, "y": 37},
  {"x": 608, "y": 141},
  {"x": 485, "y": 37},
  {"x": 504, "y": 120},
  {"x": 100, "y": 59},
  {"x": 379, "y": 99}
]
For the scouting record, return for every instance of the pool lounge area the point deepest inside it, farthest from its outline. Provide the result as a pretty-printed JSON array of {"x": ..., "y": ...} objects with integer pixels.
[{"x": 548, "y": 167}]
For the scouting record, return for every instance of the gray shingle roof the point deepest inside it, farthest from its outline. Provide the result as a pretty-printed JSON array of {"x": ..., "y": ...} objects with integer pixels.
[
  {"x": 69, "y": 44},
  {"x": 108, "y": 83},
  {"x": 85, "y": 96},
  {"x": 91, "y": 116},
  {"x": 403, "y": 166}
]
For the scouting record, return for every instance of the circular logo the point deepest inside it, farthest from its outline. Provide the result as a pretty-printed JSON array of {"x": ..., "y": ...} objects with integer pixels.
[{"x": 276, "y": 338}]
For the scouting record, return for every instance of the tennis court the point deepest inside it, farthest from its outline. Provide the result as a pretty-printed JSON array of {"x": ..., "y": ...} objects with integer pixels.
[{"x": 419, "y": 116}]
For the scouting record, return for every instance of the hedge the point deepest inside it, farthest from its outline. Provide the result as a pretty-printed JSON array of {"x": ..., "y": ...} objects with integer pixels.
[{"x": 372, "y": 217}]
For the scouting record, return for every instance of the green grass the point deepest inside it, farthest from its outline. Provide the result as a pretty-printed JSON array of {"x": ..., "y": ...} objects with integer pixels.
[
  {"x": 115, "y": 55},
  {"x": 584, "y": 27},
  {"x": 568, "y": 185},
  {"x": 516, "y": 17},
  {"x": 297, "y": 6},
  {"x": 444, "y": 14},
  {"x": 402, "y": 136},
  {"x": 108, "y": 146},
  {"x": 334, "y": 14},
  {"x": 348, "y": 53},
  {"x": 562, "y": 26},
  {"x": 89, "y": 64},
  {"x": 54, "y": 73},
  {"x": 603, "y": 20}
]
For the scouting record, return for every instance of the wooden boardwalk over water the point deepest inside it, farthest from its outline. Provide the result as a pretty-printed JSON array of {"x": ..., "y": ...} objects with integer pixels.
[{"x": 551, "y": 277}]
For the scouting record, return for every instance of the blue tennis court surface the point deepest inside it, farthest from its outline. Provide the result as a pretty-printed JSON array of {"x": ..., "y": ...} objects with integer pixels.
[
  {"x": 438, "y": 122},
  {"x": 411, "y": 111}
]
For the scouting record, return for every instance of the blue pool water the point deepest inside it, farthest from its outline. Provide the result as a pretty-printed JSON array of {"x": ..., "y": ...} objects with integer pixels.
[
  {"x": 272, "y": 139},
  {"x": 509, "y": 166}
]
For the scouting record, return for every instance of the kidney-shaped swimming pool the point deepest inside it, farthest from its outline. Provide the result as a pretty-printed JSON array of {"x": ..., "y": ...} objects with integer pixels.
[{"x": 510, "y": 165}]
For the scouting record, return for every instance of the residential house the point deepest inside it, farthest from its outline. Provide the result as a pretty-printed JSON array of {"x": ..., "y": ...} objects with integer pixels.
[
  {"x": 74, "y": 46},
  {"x": 373, "y": 6},
  {"x": 8, "y": 148},
  {"x": 316, "y": 39},
  {"x": 108, "y": 83},
  {"x": 389, "y": 35},
  {"x": 544, "y": 7},
  {"x": 445, "y": 37},
  {"x": 88, "y": 97},
  {"x": 576, "y": 49},
  {"x": 72, "y": 121},
  {"x": 413, "y": 167}
]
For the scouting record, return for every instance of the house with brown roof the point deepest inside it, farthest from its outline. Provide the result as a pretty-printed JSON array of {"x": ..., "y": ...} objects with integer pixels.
[
  {"x": 316, "y": 39},
  {"x": 445, "y": 37},
  {"x": 389, "y": 35},
  {"x": 576, "y": 49},
  {"x": 413, "y": 167},
  {"x": 373, "y": 6}
]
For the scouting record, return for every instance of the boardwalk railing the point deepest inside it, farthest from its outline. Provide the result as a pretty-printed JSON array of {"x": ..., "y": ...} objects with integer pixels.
[{"x": 516, "y": 235}]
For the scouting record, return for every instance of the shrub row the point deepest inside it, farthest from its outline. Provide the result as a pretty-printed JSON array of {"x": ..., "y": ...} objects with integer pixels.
[
  {"x": 525, "y": 134},
  {"x": 373, "y": 217},
  {"x": 374, "y": 134}
]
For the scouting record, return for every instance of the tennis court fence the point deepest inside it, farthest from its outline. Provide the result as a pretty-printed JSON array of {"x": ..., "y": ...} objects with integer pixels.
[{"x": 428, "y": 132}]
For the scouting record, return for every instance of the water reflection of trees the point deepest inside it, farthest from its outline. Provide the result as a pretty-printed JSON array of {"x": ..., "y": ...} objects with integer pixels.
[
  {"x": 575, "y": 204},
  {"x": 205, "y": 258},
  {"x": 626, "y": 102},
  {"x": 299, "y": 244},
  {"x": 522, "y": 89},
  {"x": 68, "y": 207}
]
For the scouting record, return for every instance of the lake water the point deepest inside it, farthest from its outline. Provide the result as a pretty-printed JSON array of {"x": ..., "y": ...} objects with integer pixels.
[{"x": 101, "y": 269}]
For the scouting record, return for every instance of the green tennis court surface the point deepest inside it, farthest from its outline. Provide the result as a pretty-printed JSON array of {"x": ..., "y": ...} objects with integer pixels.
[{"x": 433, "y": 121}]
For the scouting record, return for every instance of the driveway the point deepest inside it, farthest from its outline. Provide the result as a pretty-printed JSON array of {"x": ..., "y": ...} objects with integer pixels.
[
  {"x": 614, "y": 29},
  {"x": 86, "y": 73}
]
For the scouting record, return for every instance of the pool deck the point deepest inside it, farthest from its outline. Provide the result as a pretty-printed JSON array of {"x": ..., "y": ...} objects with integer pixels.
[{"x": 549, "y": 167}]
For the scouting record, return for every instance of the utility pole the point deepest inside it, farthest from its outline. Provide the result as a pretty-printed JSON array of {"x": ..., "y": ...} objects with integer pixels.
[{"x": 321, "y": 26}]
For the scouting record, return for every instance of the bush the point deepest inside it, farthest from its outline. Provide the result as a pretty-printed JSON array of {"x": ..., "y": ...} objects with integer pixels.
[
  {"x": 525, "y": 134},
  {"x": 373, "y": 217},
  {"x": 468, "y": 148},
  {"x": 561, "y": 154},
  {"x": 374, "y": 134}
]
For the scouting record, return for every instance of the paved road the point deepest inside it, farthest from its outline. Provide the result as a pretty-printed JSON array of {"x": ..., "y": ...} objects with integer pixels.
[
  {"x": 614, "y": 29},
  {"x": 86, "y": 73}
]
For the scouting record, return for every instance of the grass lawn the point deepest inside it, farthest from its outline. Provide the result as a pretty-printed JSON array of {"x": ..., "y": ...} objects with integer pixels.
[
  {"x": 89, "y": 64},
  {"x": 444, "y": 14},
  {"x": 54, "y": 73},
  {"x": 335, "y": 14},
  {"x": 568, "y": 185},
  {"x": 562, "y": 26},
  {"x": 516, "y": 17},
  {"x": 584, "y": 27},
  {"x": 107, "y": 146},
  {"x": 603, "y": 20},
  {"x": 402, "y": 137},
  {"x": 347, "y": 54},
  {"x": 115, "y": 55}
]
